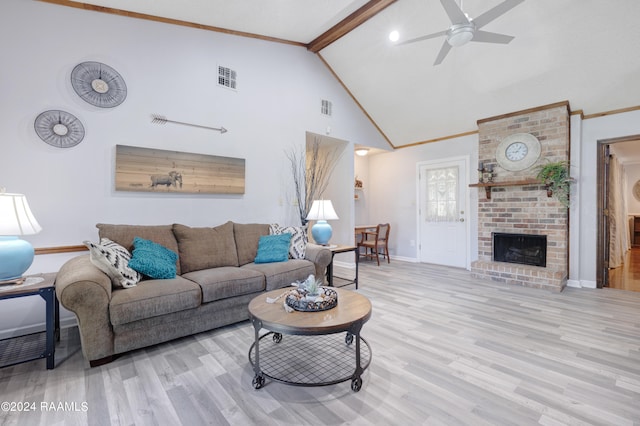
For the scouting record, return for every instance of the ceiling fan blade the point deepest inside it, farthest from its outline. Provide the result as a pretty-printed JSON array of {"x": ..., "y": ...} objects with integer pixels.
[
  {"x": 426, "y": 37},
  {"x": 456, "y": 15},
  {"x": 496, "y": 12},
  {"x": 446, "y": 47},
  {"x": 487, "y": 37}
]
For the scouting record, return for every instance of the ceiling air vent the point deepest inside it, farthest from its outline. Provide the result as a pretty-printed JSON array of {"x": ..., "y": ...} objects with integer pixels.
[
  {"x": 325, "y": 107},
  {"x": 226, "y": 77}
]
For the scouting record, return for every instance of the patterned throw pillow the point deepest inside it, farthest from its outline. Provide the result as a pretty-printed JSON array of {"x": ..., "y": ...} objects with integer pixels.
[
  {"x": 152, "y": 259},
  {"x": 299, "y": 239},
  {"x": 113, "y": 259},
  {"x": 273, "y": 248}
]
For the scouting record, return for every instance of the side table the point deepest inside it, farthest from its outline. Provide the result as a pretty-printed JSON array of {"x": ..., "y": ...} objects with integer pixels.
[
  {"x": 342, "y": 249},
  {"x": 16, "y": 350}
]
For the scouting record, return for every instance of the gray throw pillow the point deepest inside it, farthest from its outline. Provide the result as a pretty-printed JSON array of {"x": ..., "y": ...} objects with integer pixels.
[{"x": 204, "y": 248}]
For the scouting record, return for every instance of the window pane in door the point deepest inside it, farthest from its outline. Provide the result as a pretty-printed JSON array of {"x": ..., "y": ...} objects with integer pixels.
[{"x": 442, "y": 195}]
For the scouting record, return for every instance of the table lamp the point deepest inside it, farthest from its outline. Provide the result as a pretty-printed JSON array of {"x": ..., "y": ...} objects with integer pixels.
[
  {"x": 16, "y": 255},
  {"x": 321, "y": 211}
]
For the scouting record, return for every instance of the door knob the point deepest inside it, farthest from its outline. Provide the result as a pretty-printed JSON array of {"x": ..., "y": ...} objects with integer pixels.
[{"x": 462, "y": 219}]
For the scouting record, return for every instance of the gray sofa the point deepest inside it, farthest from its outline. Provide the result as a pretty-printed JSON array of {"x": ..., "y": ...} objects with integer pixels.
[{"x": 216, "y": 279}]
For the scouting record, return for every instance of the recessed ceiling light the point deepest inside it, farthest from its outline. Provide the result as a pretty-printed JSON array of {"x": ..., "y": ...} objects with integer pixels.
[{"x": 394, "y": 36}]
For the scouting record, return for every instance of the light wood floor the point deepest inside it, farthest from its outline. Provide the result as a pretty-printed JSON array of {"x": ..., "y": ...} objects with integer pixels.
[
  {"x": 447, "y": 350},
  {"x": 627, "y": 276}
]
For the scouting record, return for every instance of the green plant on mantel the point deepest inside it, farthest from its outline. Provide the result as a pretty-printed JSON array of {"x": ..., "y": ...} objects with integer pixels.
[{"x": 555, "y": 176}]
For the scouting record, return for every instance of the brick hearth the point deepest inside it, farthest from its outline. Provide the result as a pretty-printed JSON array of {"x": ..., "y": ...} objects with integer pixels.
[{"x": 524, "y": 209}]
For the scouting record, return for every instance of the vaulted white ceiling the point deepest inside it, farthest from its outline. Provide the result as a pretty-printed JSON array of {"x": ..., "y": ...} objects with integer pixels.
[{"x": 583, "y": 51}]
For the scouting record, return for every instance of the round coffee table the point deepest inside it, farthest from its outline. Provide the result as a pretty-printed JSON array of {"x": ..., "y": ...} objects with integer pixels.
[{"x": 311, "y": 355}]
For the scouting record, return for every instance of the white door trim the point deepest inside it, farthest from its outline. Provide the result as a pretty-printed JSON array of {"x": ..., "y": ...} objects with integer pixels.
[{"x": 464, "y": 180}]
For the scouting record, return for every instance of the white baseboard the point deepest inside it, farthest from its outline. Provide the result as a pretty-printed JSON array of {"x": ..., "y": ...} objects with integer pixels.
[
  {"x": 352, "y": 265},
  {"x": 581, "y": 284},
  {"x": 35, "y": 328}
]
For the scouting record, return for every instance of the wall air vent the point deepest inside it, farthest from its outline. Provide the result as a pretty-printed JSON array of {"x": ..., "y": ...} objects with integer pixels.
[
  {"x": 226, "y": 77},
  {"x": 325, "y": 107}
]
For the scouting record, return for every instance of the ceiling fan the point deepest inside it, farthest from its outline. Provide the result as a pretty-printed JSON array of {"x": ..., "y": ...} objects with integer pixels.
[{"x": 464, "y": 29}]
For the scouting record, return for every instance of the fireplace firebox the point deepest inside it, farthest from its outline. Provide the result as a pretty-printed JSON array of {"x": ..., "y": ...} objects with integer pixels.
[{"x": 524, "y": 249}]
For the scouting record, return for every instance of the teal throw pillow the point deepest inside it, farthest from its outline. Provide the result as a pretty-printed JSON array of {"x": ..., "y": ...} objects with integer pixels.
[
  {"x": 152, "y": 259},
  {"x": 273, "y": 248}
]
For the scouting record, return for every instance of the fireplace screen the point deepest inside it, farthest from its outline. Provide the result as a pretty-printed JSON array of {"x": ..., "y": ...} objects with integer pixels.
[{"x": 520, "y": 248}]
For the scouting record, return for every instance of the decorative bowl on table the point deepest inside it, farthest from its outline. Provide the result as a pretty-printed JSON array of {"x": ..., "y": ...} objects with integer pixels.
[{"x": 301, "y": 300}]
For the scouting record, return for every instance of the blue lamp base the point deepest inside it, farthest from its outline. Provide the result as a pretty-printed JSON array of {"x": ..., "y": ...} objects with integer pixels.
[
  {"x": 16, "y": 256},
  {"x": 321, "y": 232}
]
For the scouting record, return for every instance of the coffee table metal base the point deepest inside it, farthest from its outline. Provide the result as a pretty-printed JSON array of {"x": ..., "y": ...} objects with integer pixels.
[{"x": 317, "y": 360}]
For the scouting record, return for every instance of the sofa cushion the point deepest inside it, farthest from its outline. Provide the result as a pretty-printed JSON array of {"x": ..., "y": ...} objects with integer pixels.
[
  {"x": 113, "y": 259},
  {"x": 124, "y": 235},
  {"x": 283, "y": 274},
  {"x": 204, "y": 248},
  {"x": 153, "y": 260},
  {"x": 299, "y": 238},
  {"x": 273, "y": 248},
  {"x": 226, "y": 281},
  {"x": 247, "y": 236},
  {"x": 152, "y": 298}
]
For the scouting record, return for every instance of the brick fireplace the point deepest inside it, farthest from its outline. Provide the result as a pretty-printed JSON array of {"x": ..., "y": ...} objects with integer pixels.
[{"x": 516, "y": 204}]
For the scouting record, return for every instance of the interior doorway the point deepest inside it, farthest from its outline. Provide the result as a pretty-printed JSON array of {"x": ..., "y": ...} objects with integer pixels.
[{"x": 618, "y": 244}]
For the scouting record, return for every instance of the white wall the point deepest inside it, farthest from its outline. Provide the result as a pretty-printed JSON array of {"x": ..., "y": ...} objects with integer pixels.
[
  {"x": 584, "y": 209},
  {"x": 391, "y": 191},
  {"x": 169, "y": 70}
]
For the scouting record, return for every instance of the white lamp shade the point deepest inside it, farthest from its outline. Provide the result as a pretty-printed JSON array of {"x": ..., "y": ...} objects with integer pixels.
[
  {"x": 16, "y": 217},
  {"x": 322, "y": 210}
]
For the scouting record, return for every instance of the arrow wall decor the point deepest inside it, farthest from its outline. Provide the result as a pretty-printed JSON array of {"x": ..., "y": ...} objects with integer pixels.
[{"x": 161, "y": 119}]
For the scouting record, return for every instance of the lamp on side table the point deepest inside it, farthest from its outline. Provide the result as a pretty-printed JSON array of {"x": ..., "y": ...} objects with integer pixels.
[
  {"x": 321, "y": 211},
  {"x": 16, "y": 255}
]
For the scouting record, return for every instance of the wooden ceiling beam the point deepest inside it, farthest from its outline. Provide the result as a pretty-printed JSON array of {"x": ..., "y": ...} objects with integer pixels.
[
  {"x": 348, "y": 24},
  {"x": 120, "y": 12}
]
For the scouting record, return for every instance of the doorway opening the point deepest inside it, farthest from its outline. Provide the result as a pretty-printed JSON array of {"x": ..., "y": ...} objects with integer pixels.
[{"x": 618, "y": 198}]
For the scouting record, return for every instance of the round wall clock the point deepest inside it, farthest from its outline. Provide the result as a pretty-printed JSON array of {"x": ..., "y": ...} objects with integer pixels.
[
  {"x": 518, "y": 151},
  {"x": 59, "y": 128},
  {"x": 98, "y": 84},
  {"x": 636, "y": 190}
]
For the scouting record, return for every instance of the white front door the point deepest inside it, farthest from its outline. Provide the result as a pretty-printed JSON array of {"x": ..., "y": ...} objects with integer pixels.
[{"x": 442, "y": 212}]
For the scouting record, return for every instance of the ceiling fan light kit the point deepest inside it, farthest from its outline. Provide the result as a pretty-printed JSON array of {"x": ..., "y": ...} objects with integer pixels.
[{"x": 459, "y": 35}]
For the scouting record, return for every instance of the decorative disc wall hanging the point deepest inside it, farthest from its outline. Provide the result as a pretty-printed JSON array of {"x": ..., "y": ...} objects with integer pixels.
[
  {"x": 59, "y": 128},
  {"x": 98, "y": 84}
]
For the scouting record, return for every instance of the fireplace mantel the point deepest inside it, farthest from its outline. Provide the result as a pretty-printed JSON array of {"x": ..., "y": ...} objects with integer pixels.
[{"x": 488, "y": 185}]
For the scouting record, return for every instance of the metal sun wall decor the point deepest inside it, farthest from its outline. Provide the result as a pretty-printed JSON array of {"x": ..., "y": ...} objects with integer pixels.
[
  {"x": 98, "y": 84},
  {"x": 59, "y": 128},
  {"x": 156, "y": 170},
  {"x": 161, "y": 119}
]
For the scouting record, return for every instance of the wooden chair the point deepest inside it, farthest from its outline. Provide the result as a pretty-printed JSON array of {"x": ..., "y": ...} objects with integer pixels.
[{"x": 376, "y": 243}]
